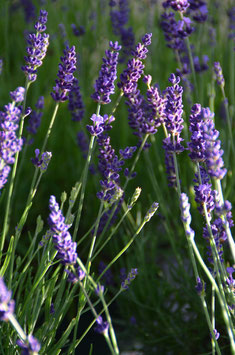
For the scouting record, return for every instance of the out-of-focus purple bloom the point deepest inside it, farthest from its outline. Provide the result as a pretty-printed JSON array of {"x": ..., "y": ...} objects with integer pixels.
[
  {"x": 123, "y": 274},
  {"x": 64, "y": 83},
  {"x": 76, "y": 105},
  {"x": 1, "y": 66},
  {"x": 119, "y": 15},
  {"x": 61, "y": 237},
  {"x": 198, "y": 10},
  {"x": 230, "y": 280},
  {"x": 130, "y": 277},
  {"x": 170, "y": 169},
  {"x": 176, "y": 5},
  {"x": 36, "y": 51},
  {"x": 7, "y": 305},
  {"x": 43, "y": 161},
  {"x": 34, "y": 120},
  {"x": 231, "y": 16},
  {"x": 219, "y": 74},
  {"x": 217, "y": 334},
  {"x": 29, "y": 10},
  {"x": 99, "y": 290},
  {"x": 134, "y": 70},
  {"x": 108, "y": 276},
  {"x": 77, "y": 276},
  {"x": 101, "y": 326},
  {"x": 9, "y": 143},
  {"x": 29, "y": 347},
  {"x": 200, "y": 286},
  {"x": 104, "y": 85},
  {"x": 78, "y": 30}
]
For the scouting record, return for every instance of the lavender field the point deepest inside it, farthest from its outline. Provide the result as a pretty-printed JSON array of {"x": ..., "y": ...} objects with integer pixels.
[{"x": 117, "y": 189}]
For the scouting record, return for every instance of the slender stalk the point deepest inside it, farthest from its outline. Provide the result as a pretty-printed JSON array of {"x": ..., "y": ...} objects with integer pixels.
[
  {"x": 84, "y": 180},
  {"x": 213, "y": 316},
  {"x": 50, "y": 127},
  {"x": 17, "y": 326},
  {"x": 228, "y": 119}
]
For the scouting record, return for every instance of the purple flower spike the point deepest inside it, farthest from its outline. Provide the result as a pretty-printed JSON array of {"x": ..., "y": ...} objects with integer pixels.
[
  {"x": 61, "y": 237},
  {"x": 7, "y": 305},
  {"x": 36, "y": 51},
  {"x": 65, "y": 80},
  {"x": 35, "y": 118},
  {"x": 31, "y": 346},
  {"x": 104, "y": 85},
  {"x": 9, "y": 143},
  {"x": 43, "y": 161},
  {"x": 76, "y": 105},
  {"x": 97, "y": 127},
  {"x": 200, "y": 286},
  {"x": 130, "y": 277},
  {"x": 177, "y": 5},
  {"x": 134, "y": 70},
  {"x": 219, "y": 74}
]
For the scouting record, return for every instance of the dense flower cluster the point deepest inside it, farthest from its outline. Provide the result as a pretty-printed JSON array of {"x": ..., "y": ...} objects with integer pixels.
[
  {"x": 176, "y": 5},
  {"x": 36, "y": 51},
  {"x": 76, "y": 105},
  {"x": 9, "y": 143},
  {"x": 134, "y": 70},
  {"x": 119, "y": 15},
  {"x": 29, "y": 347},
  {"x": 64, "y": 83},
  {"x": 7, "y": 305},
  {"x": 198, "y": 9},
  {"x": 104, "y": 85}
]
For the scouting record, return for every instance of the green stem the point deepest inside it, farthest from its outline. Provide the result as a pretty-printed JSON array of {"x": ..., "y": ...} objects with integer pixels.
[
  {"x": 50, "y": 127},
  {"x": 17, "y": 326}
]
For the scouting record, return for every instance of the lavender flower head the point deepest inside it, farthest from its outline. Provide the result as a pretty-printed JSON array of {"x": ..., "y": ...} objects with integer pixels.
[
  {"x": 7, "y": 305},
  {"x": 134, "y": 70},
  {"x": 36, "y": 51},
  {"x": 104, "y": 85},
  {"x": 29, "y": 347},
  {"x": 61, "y": 237},
  {"x": 130, "y": 277},
  {"x": 76, "y": 105},
  {"x": 219, "y": 74},
  {"x": 101, "y": 326},
  {"x": 64, "y": 83},
  {"x": 9, "y": 143},
  {"x": 177, "y": 5},
  {"x": 43, "y": 161},
  {"x": 185, "y": 215}
]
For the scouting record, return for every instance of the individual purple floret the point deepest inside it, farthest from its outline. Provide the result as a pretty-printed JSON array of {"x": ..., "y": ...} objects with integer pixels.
[
  {"x": 64, "y": 83},
  {"x": 101, "y": 326},
  {"x": 219, "y": 74},
  {"x": 76, "y": 105},
  {"x": 36, "y": 51},
  {"x": 7, "y": 305},
  {"x": 130, "y": 277},
  {"x": 9, "y": 143},
  {"x": 97, "y": 127},
  {"x": 78, "y": 30},
  {"x": 34, "y": 120},
  {"x": 29, "y": 347},
  {"x": 61, "y": 237},
  {"x": 43, "y": 161},
  {"x": 134, "y": 70},
  {"x": 77, "y": 276},
  {"x": 200, "y": 286},
  {"x": 104, "y": 85}
]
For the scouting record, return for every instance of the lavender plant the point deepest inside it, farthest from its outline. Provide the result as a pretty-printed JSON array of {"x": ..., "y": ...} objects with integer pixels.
[{"x": 68, "y": 271}]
